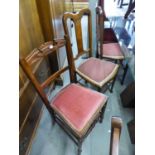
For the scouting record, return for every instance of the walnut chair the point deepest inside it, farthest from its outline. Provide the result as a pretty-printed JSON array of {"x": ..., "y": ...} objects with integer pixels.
[
  {"x": 74, "y": 108},
  {"x": 108, "y": 50},
  {"x": 116, "y": 127},
  {"x": 98, "y": 72}
]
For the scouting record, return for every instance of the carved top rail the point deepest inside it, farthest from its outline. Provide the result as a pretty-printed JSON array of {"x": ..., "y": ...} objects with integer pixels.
[{"x": 44, "y": 50}]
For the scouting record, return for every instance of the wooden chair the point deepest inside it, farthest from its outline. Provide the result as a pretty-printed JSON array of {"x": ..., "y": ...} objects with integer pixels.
[
  {"x": 95, "y": 71},
  {"x": 108, "y": 50},
  {"x": 116, "y": 127},
  {"x": 76, "y": 109}
]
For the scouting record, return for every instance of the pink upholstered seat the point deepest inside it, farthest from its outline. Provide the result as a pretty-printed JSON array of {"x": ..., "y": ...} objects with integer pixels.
[
  {"x": 112, "y": 50},
  {"x": 78, "y": 106},
  {"x": 97, "y": 71}
]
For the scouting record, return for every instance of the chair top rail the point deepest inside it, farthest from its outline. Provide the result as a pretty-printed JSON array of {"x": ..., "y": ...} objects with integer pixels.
[{"x": 44, "y": 50}]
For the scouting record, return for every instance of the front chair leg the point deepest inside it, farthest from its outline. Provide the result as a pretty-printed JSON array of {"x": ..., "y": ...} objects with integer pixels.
[{"x": 79, "y": 147}]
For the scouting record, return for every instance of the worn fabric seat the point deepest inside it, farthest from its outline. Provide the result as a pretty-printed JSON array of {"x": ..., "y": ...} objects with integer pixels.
[
  {"x": 98, "y": 71},
  {"x": 78, "y": 106},
  {"x": 113, "y": 51}
]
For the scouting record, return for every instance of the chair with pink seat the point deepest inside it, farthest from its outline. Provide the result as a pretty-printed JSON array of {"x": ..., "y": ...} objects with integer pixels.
[
  {"x": 98, "y": 72},
  {"x": 108, "y": 50},
  {"x": 74, "y": 108}
]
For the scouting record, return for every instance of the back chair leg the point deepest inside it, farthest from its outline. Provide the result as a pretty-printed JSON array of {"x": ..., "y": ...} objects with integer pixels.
[
  {"x": 124, "y": 74},
  {"x": 99, "y": 89},
  {"x": 112, "y": 85},
  {"x": 53, "y": 118},
  {"x": 97, "y": 55},
  {"x": 102, "y": 113},
  {"x": 79, "y": 147},
  {"x": 85, "y": 81}
]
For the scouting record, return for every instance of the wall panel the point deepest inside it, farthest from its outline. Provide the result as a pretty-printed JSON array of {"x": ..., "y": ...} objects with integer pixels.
[{"x": 30, "y": 32}]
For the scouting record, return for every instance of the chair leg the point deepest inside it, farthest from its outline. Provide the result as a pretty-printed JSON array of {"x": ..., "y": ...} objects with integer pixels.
[
  {"x": 101, "y": 114},
  {"x": 112, "y": 85},
  {"x": 85, "y": 81},
  {"x": 99, "y": 89},
  {"x": 75, "y": 78},
  {"x": 79, "y": 147},
  {"x": 53, "y": 118},
  {"x": 97, "y": 55},
  {"x": 124, "y": 74}
]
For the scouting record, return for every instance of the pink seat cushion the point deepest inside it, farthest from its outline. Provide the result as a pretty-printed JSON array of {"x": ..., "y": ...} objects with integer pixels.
[
  {"x": 112, "y": 50},
  {"x": 98, "y": 71},
  {"x": 78, "y": 106}
]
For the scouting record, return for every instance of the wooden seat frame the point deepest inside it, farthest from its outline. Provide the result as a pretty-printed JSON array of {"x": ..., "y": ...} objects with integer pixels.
[
  {"x": 76, "y": 19},
  {"x": 38, "y": 54},
  {"x": 100, "y": 17}
]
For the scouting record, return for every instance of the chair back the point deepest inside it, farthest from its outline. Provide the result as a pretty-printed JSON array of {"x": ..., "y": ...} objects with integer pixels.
[
  {"x": 116, "y": 127},
  {"x": 76, "y": 19},
  {"x": 35, "y": 56}
]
